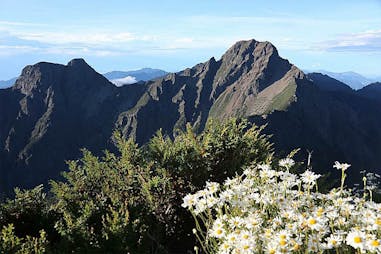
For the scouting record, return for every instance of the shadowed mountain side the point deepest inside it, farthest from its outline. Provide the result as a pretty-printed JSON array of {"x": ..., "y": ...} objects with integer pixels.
[
  {"x": 334, "y": 125},
  {"x": 371, "y": 91},
  {"x": 50, "y": 113},
  {"x": 326, "y": 83}
]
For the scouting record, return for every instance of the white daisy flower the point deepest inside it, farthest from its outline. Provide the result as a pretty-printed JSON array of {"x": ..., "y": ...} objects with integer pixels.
[
  {"x": 341, "y": 166},
  {"x": 356, "y": 239},
  {"x": 287, "y": 163}
]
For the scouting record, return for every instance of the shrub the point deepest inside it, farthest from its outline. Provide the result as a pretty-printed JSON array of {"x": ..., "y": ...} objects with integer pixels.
[
  {"x": 130, "y": 201},
  {"x": 93, "y": 203},
  {"x": 10, "y": 243}
]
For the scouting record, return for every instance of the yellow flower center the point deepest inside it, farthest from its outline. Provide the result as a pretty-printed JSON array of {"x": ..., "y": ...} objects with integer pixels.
[
  {"x": 312, "y": 221},
  {"x": 282, "y": 237},
  {"x": 282, "y": 242},
  {"x": 333, "y": 242},
  {"x": 375, "y": 243},
  {"x": 296, "y": 247},
  {"x": 378, "y": 221},
  {"x": 226, "y": 246},
  {"x": 272, "y": 251},
  {"x": 246, "y": 236},
  {"x": 246, "y": 247},
  {"x": 357, "y": 239},
  {"x": 219, "y": 231}
]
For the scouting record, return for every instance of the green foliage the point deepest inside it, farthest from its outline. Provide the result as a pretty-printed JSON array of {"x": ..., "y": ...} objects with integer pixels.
[
  {"x": 130, "y": 202},
  {"x": 10, "y": 243},
  {"x": 187, "y": 161},
  {"x": 220, "y": 151},
  {"x": 25, "y": 221},
  {"x": 93, "y": 203}
]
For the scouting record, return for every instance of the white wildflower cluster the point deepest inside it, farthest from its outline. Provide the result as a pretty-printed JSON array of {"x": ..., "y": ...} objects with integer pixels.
[{"x": 268, "y": 211}]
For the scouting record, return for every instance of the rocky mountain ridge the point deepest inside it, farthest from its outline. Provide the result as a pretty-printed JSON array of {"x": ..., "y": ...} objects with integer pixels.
[{"x": 54, "y": 110}]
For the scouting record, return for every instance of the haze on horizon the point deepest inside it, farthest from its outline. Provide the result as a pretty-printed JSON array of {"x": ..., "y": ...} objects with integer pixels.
[{"x": 171, "y": 35}]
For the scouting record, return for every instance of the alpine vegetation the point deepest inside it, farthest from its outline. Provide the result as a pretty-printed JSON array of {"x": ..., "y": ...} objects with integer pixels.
[{"x": 275, "y": 211}]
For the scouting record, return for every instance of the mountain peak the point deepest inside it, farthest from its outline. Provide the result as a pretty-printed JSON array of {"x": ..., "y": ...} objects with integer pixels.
[
  {"x": 76, "y": 75},
  {"x": 79, "y": 64},
  {"x": 252, "y": 47}
]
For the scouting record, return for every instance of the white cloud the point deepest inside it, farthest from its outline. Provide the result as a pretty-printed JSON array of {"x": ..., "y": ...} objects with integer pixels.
[
  {"x": 279, "y": 19},
  {"x": 20, "y": 24},
  {"x": 77, "y": 38},
  {"x": 9, "y": 50},
  {"x": 368, "y": 41},
  {"x": 124, "y": 81}
]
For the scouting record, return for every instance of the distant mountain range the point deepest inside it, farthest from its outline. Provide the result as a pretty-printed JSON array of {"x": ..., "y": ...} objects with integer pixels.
[
  {"x": 7, "y": 83},
  {"x": 54, "y": 110},
  {"x": 120, "y": 78},
  {"x": 352, "y": 79}
]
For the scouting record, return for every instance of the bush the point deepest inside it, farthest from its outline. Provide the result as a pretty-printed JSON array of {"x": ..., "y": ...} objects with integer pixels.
[
  {"x": 220, "y": 151},
  {"x": 130, "y": 201},
  {"x": 10, "y": 243},
  {"x": 93, "y": 203}
]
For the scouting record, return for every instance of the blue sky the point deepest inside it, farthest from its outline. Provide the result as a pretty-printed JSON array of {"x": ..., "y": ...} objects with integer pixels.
[{"x": 172, "y": 35}]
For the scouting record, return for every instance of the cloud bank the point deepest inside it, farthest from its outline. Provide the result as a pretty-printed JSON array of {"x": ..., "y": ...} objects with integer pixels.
[
  {"x": 124, "y": 81},
  {"x": 368, "y": 41}
]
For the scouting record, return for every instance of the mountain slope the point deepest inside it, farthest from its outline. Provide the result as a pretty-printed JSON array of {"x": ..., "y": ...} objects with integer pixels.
[
  {"x": 327, "y": 83},
  {"x": 371, "y": 91},
  {"x": 7, "y": 83},
  {"x": 54, "y": 110},
  {"x": 249, "y": 79},
  {"x": 51, "y": 112},
  {"x": 334, "y": 125}
]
